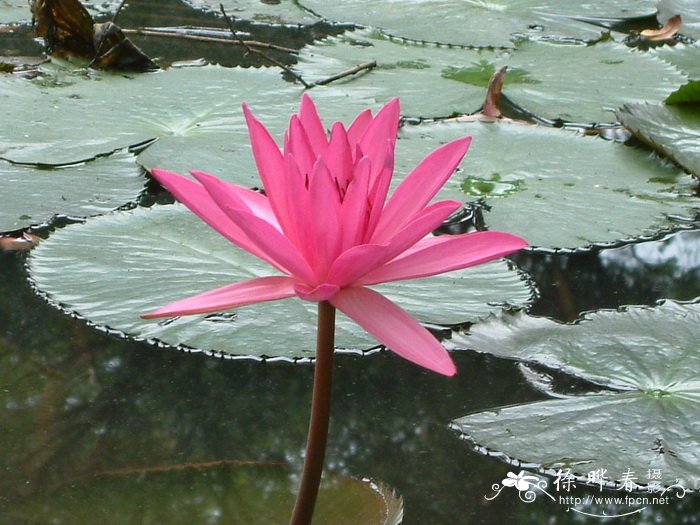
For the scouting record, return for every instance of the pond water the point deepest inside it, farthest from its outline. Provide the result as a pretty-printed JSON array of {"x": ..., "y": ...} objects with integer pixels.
[{"x": 76, "y": 403}]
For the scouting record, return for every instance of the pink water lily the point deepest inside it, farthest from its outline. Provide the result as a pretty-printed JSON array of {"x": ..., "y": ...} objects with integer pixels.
[{"x": 325, "y": 223}]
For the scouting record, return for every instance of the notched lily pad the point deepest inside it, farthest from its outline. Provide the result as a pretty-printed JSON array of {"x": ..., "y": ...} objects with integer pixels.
[
  {"x": 572, "y": 83},
  {"x": 652, "y": 423},
  {"x": 478, "y": 23},
  {"x": 147, "y": 258},
  {"x": 226, "y": 492},
  {"x": 672, "y": 130},
  {"x": 32, "y": 195},
  {"x": 39, "y": 115},
  {"x": 555, "y": 188}
]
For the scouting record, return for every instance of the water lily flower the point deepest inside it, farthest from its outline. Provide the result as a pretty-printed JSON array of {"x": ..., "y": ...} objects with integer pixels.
[{"x": 326, "y": 224}]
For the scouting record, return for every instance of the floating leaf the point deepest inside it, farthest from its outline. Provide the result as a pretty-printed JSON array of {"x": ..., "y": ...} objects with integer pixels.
[
  {"x": 149, "y": 257},
  {"x": 228, "y": 492},
  {"x": 687, "y": 58},
  {"x": 570, "y": 82},
  {"x": 654, "y": 423},
  {"x": 477, "y": 23},
  {"x": 32, "y": 196},
  {"x": 673, "y": 130},
  {"x": 555, "y": 188},
  {"x": 275, "y": 12},
  {"x": 39, "y": 115},
  {"x": 689, "y": 11}
]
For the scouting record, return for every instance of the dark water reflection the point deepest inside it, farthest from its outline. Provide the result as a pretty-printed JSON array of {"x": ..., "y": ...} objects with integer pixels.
[{"x": 75, "y": 402}]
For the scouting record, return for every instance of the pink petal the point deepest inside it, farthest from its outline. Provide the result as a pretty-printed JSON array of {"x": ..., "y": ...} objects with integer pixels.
[
  {"x": 422, "y": 224},
  {"x": 420, "y": 187},
  {"x": 298, "y": 145},
  {"x": 381, "y": 130},
  {"x": 445, "y": 254},
  {"x": 356, "y": 262},
  {"x": 353, "y": 211},
  {"x": 312, "y": 125},
  {"x": 358, "y": 127},
  {"x": 227, "y": 194},
  {"x": 198, "y": 200},
  {"x": 322, "y": 292},
  {"x": 230, "y": 296},
  {"x": 276, "y": 246},
  {"x": 268, "y": 159},
  {"x": 379, "y": 191},
  {"x": 338, "y": 156},
  {"x": 322, "y": 219},
  {"x": 394, "y": 328},
  {"x": 359, "y": 260}
]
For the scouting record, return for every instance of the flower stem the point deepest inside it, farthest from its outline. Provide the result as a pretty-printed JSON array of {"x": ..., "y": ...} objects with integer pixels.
[{"x": 320, "y": 417}]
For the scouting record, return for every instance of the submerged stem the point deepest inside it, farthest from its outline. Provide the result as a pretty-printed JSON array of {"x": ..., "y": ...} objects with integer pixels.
[{"x": 320, "y": 417}]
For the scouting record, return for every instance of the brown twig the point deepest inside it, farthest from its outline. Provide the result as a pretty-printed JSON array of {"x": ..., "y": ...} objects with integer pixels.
[
  {"x": 173, "y": 34},
  {"x": 258, "y": 52},
  {"x": 361, "y": 67}
]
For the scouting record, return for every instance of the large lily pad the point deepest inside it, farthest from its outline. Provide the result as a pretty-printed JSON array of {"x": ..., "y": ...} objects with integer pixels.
[
  {"x": 687, "y": 58},
  {"x": 555, "y": 188},
  {"x": 654, "y": 423},
  {"x": 571, "y": 82},
  {"x": 689, "y": 11},
  {"x": 476, "y": 22},
  {"x": 193, "y": 103},
  {"x": 280, "y": 12},
  {"x": 145, "y": 258},
  {"x": 33, "y": 195},
  {"x": 673, "y": 130},
  {"x": 217, "y": 492}
]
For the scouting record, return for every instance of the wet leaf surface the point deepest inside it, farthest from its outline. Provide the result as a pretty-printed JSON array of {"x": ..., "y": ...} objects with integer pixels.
[
  {"x": 649, "y": 354},
  {"x": 149, "y": 257},
  {"x": 672, "y": 130}
]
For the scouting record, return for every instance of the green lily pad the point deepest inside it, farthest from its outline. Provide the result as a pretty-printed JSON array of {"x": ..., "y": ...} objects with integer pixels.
[
  {"x": 685, "y": 57},
  {"x": 570, "y": 82},
  {"x": 33, "y": 195},
  {"x": 673, "y": 130},
  {"x": 149, "y": 257},
  {"x": 124, "y": 110},
  {"x": 478, "y": 23},
  {"x": 280, "y": 12},
  {"x": 217, "y": 492},
  {"x": 689, "y": 11},
  {"x": 555, "y": 188},
  {"x": 653, "y": 423}
]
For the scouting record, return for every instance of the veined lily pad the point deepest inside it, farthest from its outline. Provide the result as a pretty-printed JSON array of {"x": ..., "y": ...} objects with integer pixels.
[
  {"x": 555, "y": 188},
  {"x": 33, "y": 195},
  {"x": 673, "y": 130},
  {"x": 477, "y": 22},
  {"x": 280, "y": 12},
  {"x": 217, "y": 492},
  {"x": 572, "y": 82},
  {"x": 649, "y": 353},
  {"x": 689, "y": 11},
  {"x": 40, "y": 115},
  {"x": 146, "y": 258}
]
